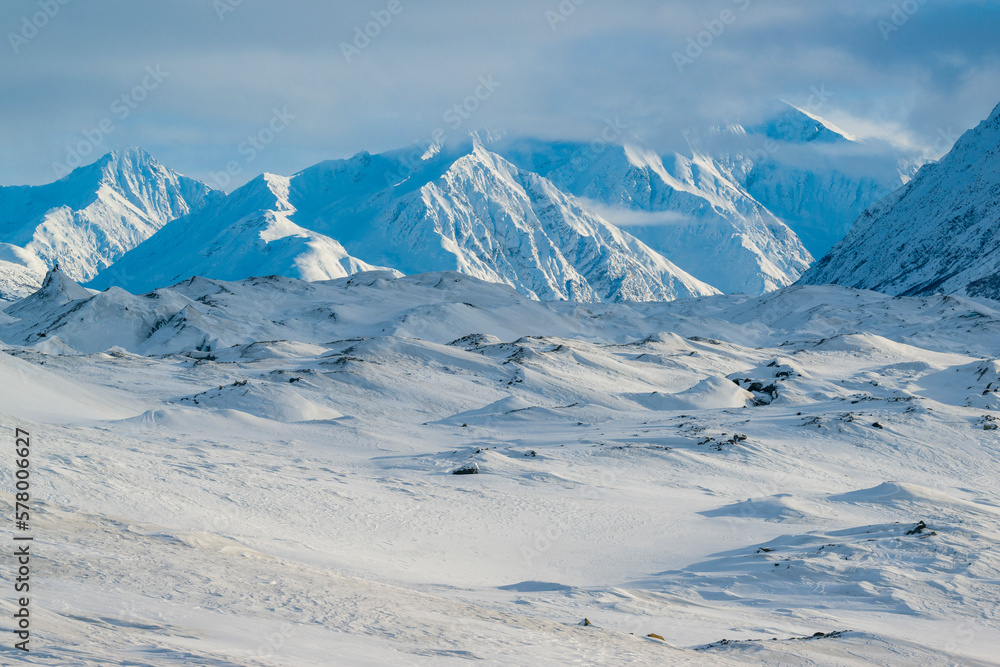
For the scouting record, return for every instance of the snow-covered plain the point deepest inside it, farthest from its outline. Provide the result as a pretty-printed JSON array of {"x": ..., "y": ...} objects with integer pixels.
[{"x": 260, "y": 473}]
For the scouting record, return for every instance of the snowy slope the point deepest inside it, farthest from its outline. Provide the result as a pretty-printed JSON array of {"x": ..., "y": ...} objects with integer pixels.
[
  {"x": 470, "y": 211},
  {"x": 798, "y": 126},
  {"x": 809, "y": 475},
  {"x": 737, "y": 211},
  {"x": 489, "y": 219},
  {"x": 90, "y": 218},
  {"x": 941, "y": 233},
  {"x": 695, "y": 214},
  {"x": 814, "y": 176},
  {"x": 250, "y": 233},
  {"x": 554, "y": 220}
]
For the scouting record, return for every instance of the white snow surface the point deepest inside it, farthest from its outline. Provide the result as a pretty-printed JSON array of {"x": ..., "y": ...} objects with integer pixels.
[{"x": 259, "y": 472}]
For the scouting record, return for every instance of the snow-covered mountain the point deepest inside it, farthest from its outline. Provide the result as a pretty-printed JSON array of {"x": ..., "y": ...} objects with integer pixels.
[
  {"x": 724, "y": 212},
  {"x": 686, "y": 208},
  {"x": 466, "y": 209},
  {"x": 554, "y": 220},
  {"x": 249, "y": 233},
  {"x": 812, "y": 175},
  {"x": 90, "y": 218},
  {"x": 941, "y": 233}
]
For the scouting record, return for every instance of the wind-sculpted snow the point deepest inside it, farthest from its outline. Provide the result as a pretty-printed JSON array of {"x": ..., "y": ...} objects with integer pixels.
[
  {"x": 262, "y": 472},
  {"x": 90, "y": 218},
  {"x": 941, "y": 233}
]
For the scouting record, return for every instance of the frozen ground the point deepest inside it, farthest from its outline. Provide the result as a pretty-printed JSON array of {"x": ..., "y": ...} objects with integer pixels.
[{"x": 259, "y": 473}]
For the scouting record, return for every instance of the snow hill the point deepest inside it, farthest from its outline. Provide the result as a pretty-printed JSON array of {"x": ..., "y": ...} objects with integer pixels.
[
  {"x": 90, "y": 218},
  {"x": 941, "y": 233},
  {"x": 260, "y": 472},
  {"x": 249, "y": 233}
]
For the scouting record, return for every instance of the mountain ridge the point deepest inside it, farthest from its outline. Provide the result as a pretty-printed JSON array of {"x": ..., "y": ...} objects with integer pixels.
[
  {"x": 89, "y": 218},
  {"x": 940, "y": 233},
  {"x": 555, "y": 220}
]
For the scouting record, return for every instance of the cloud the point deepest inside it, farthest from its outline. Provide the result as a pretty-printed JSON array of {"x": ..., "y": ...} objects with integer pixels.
[
  {"x": 624, "y": 217},
  {"x": 560, "y": 78}
]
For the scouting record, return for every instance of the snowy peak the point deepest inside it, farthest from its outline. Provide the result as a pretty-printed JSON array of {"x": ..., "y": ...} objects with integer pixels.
[
  {"x": 798, "y": 126},
  {"x": 137, "y": 177},
  {"x": 940, "y": 233},
  {"x": 554, "y": 220},
  {"x": 57, "y": 290},
  {"x": 476, "y": 212},
  {"x": 91, "y": 217},
  {"x": 688, "y": 208},
  {"x": 807, "y": 172},
  {"x": 128, "y": 164},
  {"x": 231, "y": 243},
  {"x": 465, "y": 208}
]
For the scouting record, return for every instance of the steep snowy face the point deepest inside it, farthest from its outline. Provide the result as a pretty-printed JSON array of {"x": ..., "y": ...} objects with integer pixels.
[
  {"x": 90, "y": 218},
  {"x": 941, "y": 233},
  {"x": 249, "y": 233},
  {"x": 481, "y": 215},
  {"x": 794, "y": 125},
  {"x": 463, "y": 209},
  {"x": 690, "y": 209},
  {"x": 819, "y": 202},
  {"x": 553, "y": 220}
]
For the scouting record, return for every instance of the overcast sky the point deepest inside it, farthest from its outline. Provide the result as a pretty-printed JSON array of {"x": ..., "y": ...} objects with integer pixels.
[{"x": 191, "y": 80}]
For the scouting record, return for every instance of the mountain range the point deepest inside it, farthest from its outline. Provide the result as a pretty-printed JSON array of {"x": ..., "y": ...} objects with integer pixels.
[{"x": 581, "y": 221}]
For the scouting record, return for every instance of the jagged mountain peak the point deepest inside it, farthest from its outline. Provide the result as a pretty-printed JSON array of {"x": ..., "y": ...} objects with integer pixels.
[
  {"x": 56, "y": 290},
  {"x": 58, "y": 283},
  {"x": 118, "y": 167},
  {"x": 540, "y": 215},
  {"x": 91, "y": 217},
  {"x": 467, "y": 208}
]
